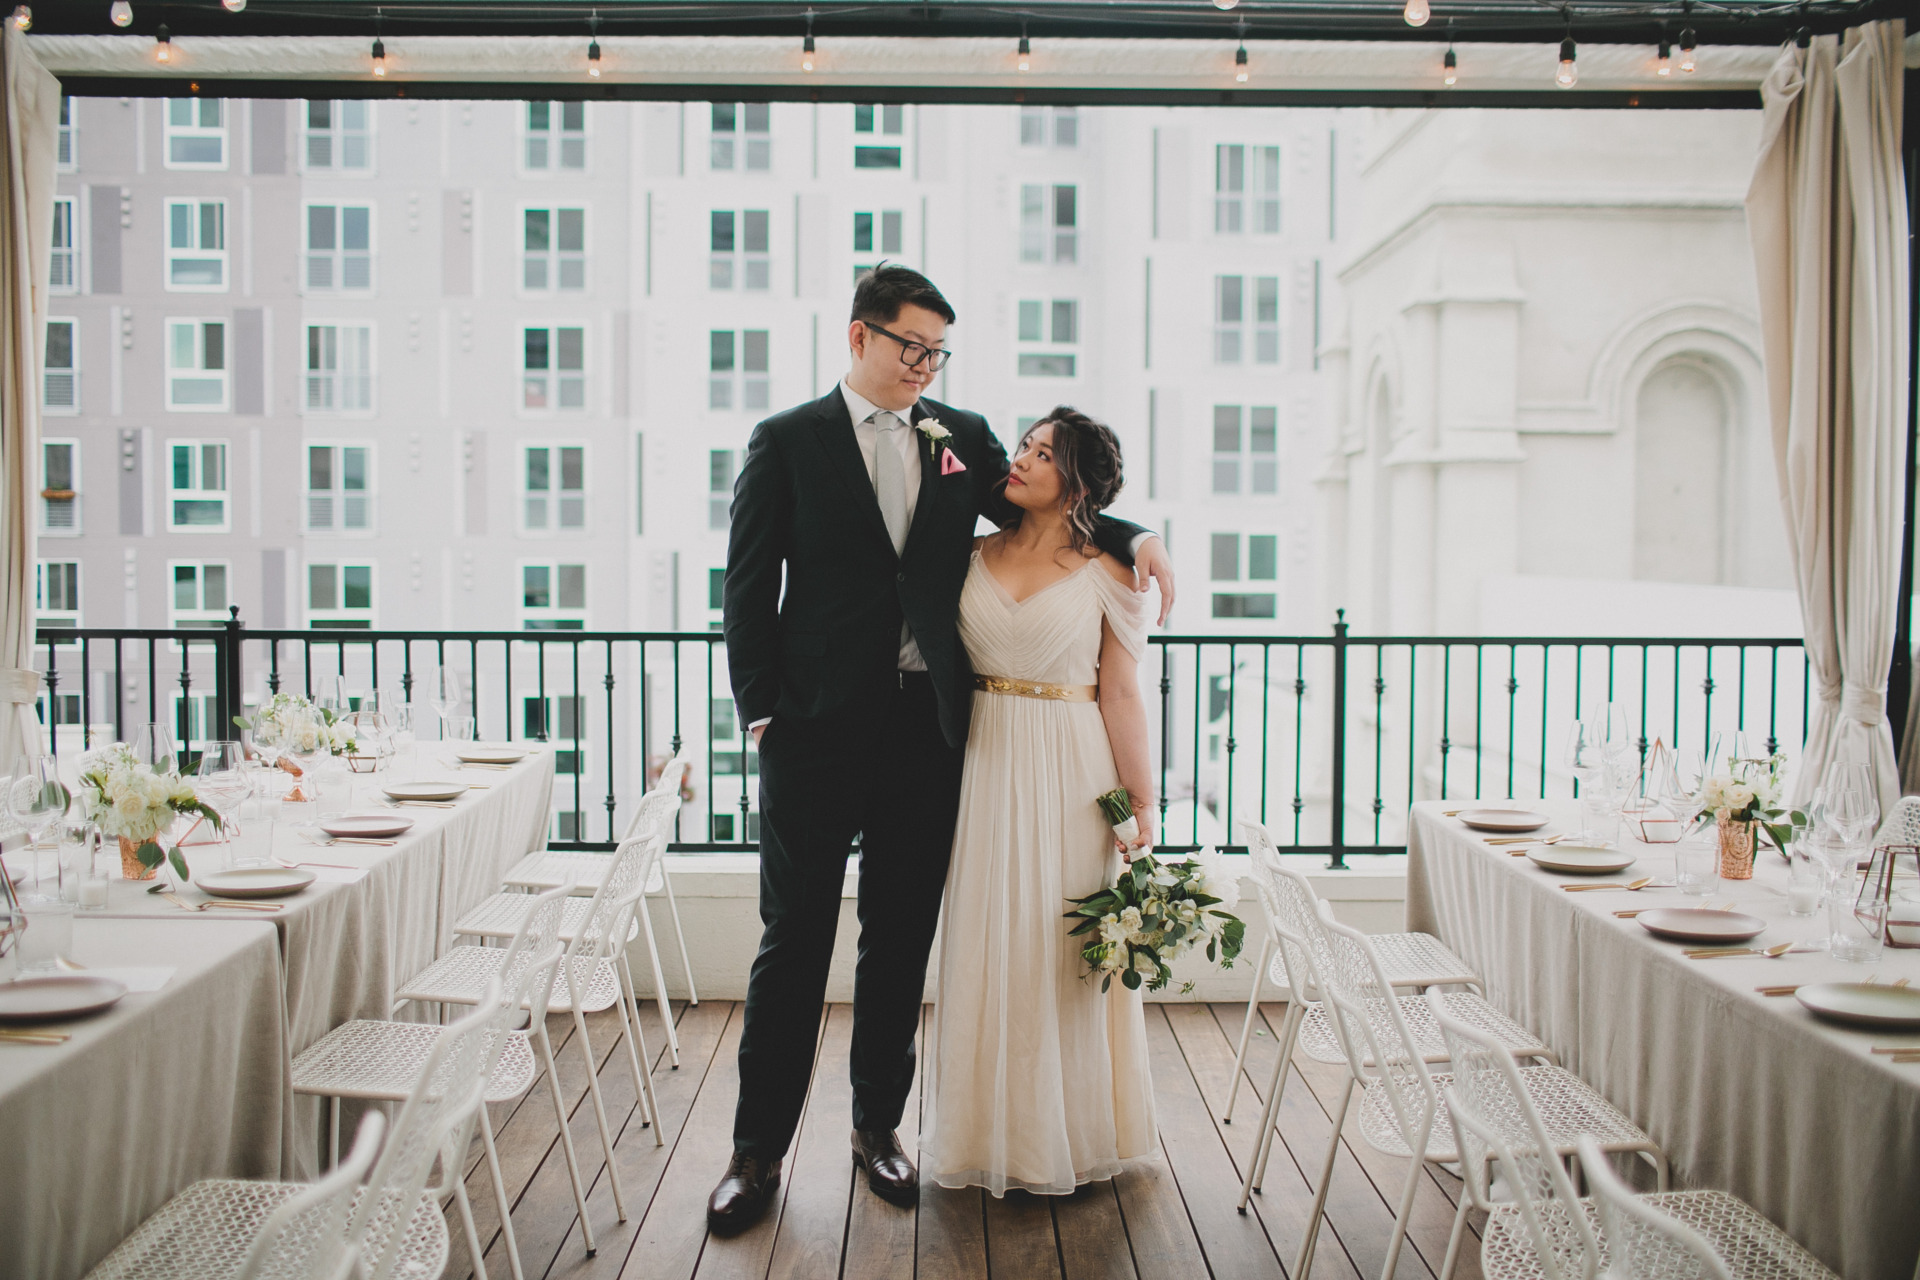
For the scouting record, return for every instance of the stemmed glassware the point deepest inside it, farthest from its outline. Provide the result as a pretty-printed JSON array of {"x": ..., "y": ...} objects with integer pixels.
[
  {"x": 224, "y": 784},
  {"x": 1586, "y": 759},
  {"x": 443, "y": 694},
  {"x": 330, "y": 694},
  {"x": 38, "y": 800},
  {"x": 153, "y": 745}
]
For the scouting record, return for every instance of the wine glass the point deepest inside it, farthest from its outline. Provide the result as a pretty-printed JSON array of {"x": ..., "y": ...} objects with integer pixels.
[
  {"x": 400, "y": 717},
  {"x": 223, "y": 783},
  {"x": 443, "y": 694},
  {"x": 153, "y": 745},
  {"x": 38, "y": 800},
  {"x": 1851, "y": 808},
  {"x": 330, "y": 694},
  {"x": 1587, "y": 762}
]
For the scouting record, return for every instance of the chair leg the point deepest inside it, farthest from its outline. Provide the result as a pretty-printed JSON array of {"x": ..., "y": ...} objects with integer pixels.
[
  {"x": 599, "y": 1109},
  {"x": 659, "y": 982},
  {"x": 1458, "y": 1234},
  {"x": 500, "y": 1197},
  {"x": 333, "y": 1132},
  {"x": 1289, "y": 1039},
  {"x": 680, "y": 936},
  {"x": 466, "y": 1223},
  {"x": 1304, "y": 1263},
  {"x": 1256, "y": 1165},
  {"x": 640, "y": 1058},
  {"x": 566, "y": 1135},
  {"x": 1246, "y": 1027},
  {"x": 1403, "y": 1213}
]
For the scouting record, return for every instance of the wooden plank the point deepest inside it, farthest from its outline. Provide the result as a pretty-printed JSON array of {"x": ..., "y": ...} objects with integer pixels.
[
  {"x": 880, "y": 1236},
  {"x": 819, "y": 1173},
  {"x": 1234, "y": 1244},
  {"x": 1159, "y": 1232},
  {"x": 1093, "y": 1235},
  {"x": 952, "y": 1242},
  {"x": 1020, "y": 1236},
  {"x": 642, "y": 1163}
]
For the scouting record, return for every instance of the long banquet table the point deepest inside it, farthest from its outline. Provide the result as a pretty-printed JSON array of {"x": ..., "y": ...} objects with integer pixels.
[
  {"x": 1748, "y": 1093},
  {"x": 333, "y": 952}
]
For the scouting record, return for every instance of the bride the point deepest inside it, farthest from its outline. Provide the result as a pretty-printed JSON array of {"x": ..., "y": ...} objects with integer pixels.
[{"x": 1038, "y": 1080}]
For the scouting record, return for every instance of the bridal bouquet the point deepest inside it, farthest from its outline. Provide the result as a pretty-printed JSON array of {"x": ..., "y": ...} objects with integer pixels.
[
  {"x": 125, "y": 797},
  {"x": 1154, "y": 913},
  {"x": 294, "y": 725}
]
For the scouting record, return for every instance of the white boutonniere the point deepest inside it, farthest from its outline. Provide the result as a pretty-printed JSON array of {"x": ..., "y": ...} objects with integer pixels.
[{"x": 935, "y": 433}]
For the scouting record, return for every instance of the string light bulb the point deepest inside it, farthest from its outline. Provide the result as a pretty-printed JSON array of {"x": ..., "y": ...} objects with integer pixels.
[
  {"x": 379, "y": 48},
  {"x": 1664, "y": 66},
  {"x": 233, "y": 6},
  {"x": 1417, "y": 12},
  {"x": 1240, "y": 64},
  {"x": 1687, "y": 62},
  {"x": 122, "y": 13},
  {"x": 1450, "y": 69},
  {"x": 593, "y": 45},
  {"x": 23, "y": 17},
  {"x": 163, "y": 45},
  {"x": 1226, "y": 4},
  {"x": 1026, "y": 50},
  {"x": 806, "y": 45},
  {"x": 1569, "y": 73}
]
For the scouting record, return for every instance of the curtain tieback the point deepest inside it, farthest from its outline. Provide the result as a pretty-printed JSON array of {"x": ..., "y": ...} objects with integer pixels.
[
  {"x": 1867, "y": 706},
  {"x": 19, "y": 685}
]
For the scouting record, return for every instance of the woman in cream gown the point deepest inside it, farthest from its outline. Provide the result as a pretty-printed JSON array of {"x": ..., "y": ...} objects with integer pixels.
[{"x": 1037, "y": 1080}]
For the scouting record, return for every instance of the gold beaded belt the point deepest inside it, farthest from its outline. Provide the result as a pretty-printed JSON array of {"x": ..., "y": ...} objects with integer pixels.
[{"x": 1038, "y": 689}]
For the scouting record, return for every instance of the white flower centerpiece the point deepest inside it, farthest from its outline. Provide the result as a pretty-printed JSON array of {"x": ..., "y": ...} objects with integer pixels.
[
  {"x": 128, "y": 798},
  {"x": 299, "y": 730},
  {"x": 1154, "y": 913},
  {"x": 1744, "y": 803}
]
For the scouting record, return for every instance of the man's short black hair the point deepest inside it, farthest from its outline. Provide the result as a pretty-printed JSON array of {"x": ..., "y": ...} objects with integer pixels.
[{"x": 881, "y": 291}]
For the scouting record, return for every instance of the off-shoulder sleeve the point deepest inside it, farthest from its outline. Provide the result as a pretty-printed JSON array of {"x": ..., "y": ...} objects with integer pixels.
[{"x": 1126, "y": 612}]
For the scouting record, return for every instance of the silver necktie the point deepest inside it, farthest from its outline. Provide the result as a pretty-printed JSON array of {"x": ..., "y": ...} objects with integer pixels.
[{"x": 890, "y": 478}]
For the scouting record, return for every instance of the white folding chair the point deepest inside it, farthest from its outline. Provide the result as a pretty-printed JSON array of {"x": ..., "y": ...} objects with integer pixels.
[
  {"x": 498, "y": 915},
  {"x": 1414, "y": 960},
  {"x": 227, "y": 1227},
  {"x": 1684, "y": 1235},
  {"x": 377, "y": 1061},
  {"x": 1902, "y": 826}
]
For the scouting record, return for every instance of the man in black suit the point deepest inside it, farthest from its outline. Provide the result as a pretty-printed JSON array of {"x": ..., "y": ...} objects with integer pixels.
[{"x": 855, "y": 685}]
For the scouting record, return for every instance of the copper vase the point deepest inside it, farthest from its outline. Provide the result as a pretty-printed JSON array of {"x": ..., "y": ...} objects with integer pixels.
[
  {"x": 130, "y": 865},
  {"x": 1737, "y": 847}
]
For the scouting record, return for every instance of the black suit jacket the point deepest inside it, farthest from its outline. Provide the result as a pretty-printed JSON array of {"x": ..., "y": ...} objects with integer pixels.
[{"x": 831, "y": 640}]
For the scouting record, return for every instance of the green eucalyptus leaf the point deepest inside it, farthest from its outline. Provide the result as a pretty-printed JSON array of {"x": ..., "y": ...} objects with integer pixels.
[
  {"x": 179, "y": 864},
  {"x": 1131, "y": 980},
  {"x": 150, "y": 854}
]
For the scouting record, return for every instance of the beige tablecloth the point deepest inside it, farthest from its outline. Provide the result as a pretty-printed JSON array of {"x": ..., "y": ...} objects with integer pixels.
[
  {"x": 165, "y": 1088},
  {"x": 1747, "y": 1093}
]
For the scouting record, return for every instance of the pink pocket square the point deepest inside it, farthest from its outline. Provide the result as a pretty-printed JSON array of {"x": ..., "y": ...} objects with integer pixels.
[{"x": 950, "y": 465}]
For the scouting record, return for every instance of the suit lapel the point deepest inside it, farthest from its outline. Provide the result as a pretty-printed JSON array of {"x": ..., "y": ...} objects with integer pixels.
[
  {"x": 833, "y": 424},
  {"x": 929, "y": 476}
]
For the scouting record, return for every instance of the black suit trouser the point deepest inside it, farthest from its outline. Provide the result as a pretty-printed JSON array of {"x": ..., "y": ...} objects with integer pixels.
[{"x": 887, "y": 774}]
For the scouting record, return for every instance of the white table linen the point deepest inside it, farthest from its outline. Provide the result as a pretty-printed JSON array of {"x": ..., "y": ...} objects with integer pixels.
[{"x": 1748, "y": 1093}]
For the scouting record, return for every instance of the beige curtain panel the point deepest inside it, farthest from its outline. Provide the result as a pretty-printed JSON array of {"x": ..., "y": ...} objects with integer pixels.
[
  {"x": 1827, "y": 214},
  {"x": 32, "y": 108}
]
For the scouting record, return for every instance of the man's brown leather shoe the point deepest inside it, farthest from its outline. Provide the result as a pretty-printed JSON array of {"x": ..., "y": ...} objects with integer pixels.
[
  {"x": 889, "y": 1172},
  {"x": 742, "y": 1195}
]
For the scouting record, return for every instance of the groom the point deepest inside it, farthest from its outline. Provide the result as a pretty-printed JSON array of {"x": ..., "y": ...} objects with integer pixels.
[{"x": 854, "y": 683}]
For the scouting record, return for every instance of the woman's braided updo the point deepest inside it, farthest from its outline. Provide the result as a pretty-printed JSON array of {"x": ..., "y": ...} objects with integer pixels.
[{"x": 1087, "y": 455}]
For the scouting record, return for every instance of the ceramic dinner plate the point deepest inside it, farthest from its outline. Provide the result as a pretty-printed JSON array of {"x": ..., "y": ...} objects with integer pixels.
[
  {"x": 1862, "y": 1005},
  {"x": 254, "y": 882},
  {"x": 58, "y": 995},
  {"x": 1503, "y": 819},
  {"x": 425, "y": 790},
  {"x": 367, "y": 826},
  {"x": 1586, "y": 860},
  {"x": 1692, "y": 924},
  {"x": 490, "y": 753}
]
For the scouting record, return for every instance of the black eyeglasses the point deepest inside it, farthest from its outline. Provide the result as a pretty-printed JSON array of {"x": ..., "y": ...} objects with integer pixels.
[{"x": 913, "y": 354}]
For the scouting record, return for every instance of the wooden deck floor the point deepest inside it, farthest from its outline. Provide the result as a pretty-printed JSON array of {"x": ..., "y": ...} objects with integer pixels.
[{"x": 1173, "y": 1219}]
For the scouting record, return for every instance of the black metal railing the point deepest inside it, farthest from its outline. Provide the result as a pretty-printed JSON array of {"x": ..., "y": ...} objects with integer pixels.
[{"x": 1326, "y": 739}]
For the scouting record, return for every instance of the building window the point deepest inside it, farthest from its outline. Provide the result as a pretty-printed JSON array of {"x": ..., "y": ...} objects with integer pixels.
[
  {"x": 63, "y": 275},
  {"x": 339, "y": 368},
  {"x": 553, "y": 597},
  {"x": 554, "y": 249},
  {"x": 1253, "y": 458},
  {"x": 339, "y": 136},
  {"x": 196, "y": 133},
  {"x": 1232, "y": 310},
  {"x": 890, "y": 223},
  {"x": 66, "y": 156},
  {"x": 552, "y": 718},
  {"x": 556, "y": 135},
  {"x": 1229, "y": 189},
  {"x": 56, "y": 593},
  {"x": 340, "y": 596},
  {"x": 719, "y": 488},
  {"x": 738, "y": 247},
  {"x": 878, "y": 122},
  {"x": 1262, "y": 566},
  {"x": 1049, "y": 223},
  {"x": 554, "y": 368},
  {"x": 742, "y": 136},
  {"x": 554, "y": 496},
  {"x": 1049, "y": 126},
  {"x": 339, "y": 488},
  {"x": 60, "y": 487},
  {"x": 339, "y": 248},
  {"x": 1264, "y": 191},
  {"x": 716, "y": 588},
  {"x": 199, "y": 593},
  {"x": 197, "y": 246},
  {"x": 197, "y": 486},
  {"x": 60, "y": 388},
  {"x": 740, "y": 358},
  {"x": 1056, "y": 323},
  {"x": 1245, "y": 200},
  {"x": 197, "y": 365}
]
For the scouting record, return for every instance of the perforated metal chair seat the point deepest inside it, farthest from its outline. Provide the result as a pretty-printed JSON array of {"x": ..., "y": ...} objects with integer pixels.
[
  {"x": 459, "y": 977},
  {"x": 1749, "y": 1245},
  {"x": 500, "y": 917},
  {"x": 1568, "y": 1105},
  {"x": 204, "y": 1234},
  {"x": 382, "y": 1060},
  {"x": 1322, "y": 1045},
  {"x": 538, "y": 871}
]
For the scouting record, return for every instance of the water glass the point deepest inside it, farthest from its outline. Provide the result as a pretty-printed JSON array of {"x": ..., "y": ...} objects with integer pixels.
[
  {"x": 1696, "y": 863},
  {"x": 459, "y": 728},
  {"x": 49, "y": 933},
  {"x": 1806, "y": 880},
  {"x": 1857, "y": 928}
]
